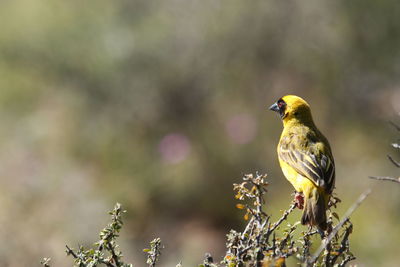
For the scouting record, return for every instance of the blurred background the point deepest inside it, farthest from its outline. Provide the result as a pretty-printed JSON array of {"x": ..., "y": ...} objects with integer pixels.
[{"x": 162, "y": 105}]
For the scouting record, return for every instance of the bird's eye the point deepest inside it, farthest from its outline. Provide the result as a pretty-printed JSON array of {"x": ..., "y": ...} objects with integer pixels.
[{"x": 281, "y": 104}]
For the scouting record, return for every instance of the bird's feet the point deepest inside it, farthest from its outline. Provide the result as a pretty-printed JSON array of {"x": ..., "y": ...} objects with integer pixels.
[{"x": 299, "y": 200}]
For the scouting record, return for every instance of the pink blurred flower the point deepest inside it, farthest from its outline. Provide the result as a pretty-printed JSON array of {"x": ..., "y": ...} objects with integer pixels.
[
  {"x": 174, "y": 148},
  {"x": 241, "y": 128}
]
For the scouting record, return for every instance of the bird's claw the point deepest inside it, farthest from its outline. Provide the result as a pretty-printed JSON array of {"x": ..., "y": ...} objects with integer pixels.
[{"x": 299, "y": 200}]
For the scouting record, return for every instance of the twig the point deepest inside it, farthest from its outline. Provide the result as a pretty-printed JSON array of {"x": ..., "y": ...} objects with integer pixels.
[
  {"x": 154, "y": 252},
  {"x": 327, "y": 259},
  {"x": 386, "y": 178},
  {"x": 107, "y": 263},
  {"x": 284, "y": 217},
  {"x": 344, "y": 243},
  {"x": 397, "y": 164},
  {"x": 346, "y": 260},
  {"x": 311, "y": 233},
  {"x": 306, "y": 247},
  {"x": 276, "y": 224},
  {"x": 71, "y": 252},
  {"x": 286, "y": 238},
  {"x": 244, "y": 237},
  {"x": 114, "y": 256},
  {"x": 45, "y": 262},
  {"x": 326, "y": 242}
]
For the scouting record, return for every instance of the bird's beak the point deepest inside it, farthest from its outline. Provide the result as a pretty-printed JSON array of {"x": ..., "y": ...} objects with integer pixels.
[{"x": 274, "y": 107}]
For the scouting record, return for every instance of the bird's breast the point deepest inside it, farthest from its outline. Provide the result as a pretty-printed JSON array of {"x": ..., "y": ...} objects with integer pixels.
[{"x": 299, "y": 182}]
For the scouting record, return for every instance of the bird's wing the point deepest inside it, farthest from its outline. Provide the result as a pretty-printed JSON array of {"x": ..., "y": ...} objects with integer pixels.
[{"x": 319, "y": 169}]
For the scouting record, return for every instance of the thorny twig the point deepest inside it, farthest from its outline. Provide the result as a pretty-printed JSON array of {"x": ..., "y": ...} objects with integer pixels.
[
  {"x": 346, "y": 260},
  {"x": 106, "y": 251},
  {"x": 344, "y": 243},
  {"x": 254, "y": 242},
  {"x": 346, "y": 217},
  {"x": 254, "y": 247},
  {"x": 261, "y": 244},
  {"x": 113, "y": 254},
  {"x": 395, "y": 163},
  {"x": 284, "y": 217},
  {"x": 71, "y": 252},
  {"x": 392, "y": 160},
  {"x": 386, "y": 178}
]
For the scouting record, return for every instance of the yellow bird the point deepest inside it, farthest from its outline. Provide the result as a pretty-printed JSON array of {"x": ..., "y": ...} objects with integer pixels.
[{"x": 306, "y": 159}]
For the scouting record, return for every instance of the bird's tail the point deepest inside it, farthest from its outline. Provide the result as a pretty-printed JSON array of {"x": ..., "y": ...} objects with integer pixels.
[{"x": 314, "y": 212}]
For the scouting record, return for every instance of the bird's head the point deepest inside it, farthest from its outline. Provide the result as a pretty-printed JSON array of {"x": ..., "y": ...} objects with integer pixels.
[{"x": 292, "y": 108}]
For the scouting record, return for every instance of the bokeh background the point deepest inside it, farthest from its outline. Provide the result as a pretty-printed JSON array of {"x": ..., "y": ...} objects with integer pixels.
[{"x": 162, "y": 105}]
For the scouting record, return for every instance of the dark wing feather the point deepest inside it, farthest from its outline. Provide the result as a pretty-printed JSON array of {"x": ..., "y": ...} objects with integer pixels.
[{"x": 319, "y": 169}]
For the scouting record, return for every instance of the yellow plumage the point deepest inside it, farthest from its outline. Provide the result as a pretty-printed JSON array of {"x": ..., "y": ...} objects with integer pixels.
[{"x": 305, "y": 158}]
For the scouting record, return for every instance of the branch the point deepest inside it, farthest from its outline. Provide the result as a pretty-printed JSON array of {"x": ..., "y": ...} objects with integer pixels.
[
  {"x": 386, "y": 178},
  {"x": 326, "y": 242}
]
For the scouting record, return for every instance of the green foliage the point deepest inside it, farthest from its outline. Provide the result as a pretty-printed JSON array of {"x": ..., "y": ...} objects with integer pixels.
[
  {"x": 270, "y": 243},
  {"x": 154, "y": 252},
  {"x": 262, "y": 242},
  {"x": 106, "y": 250}
]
